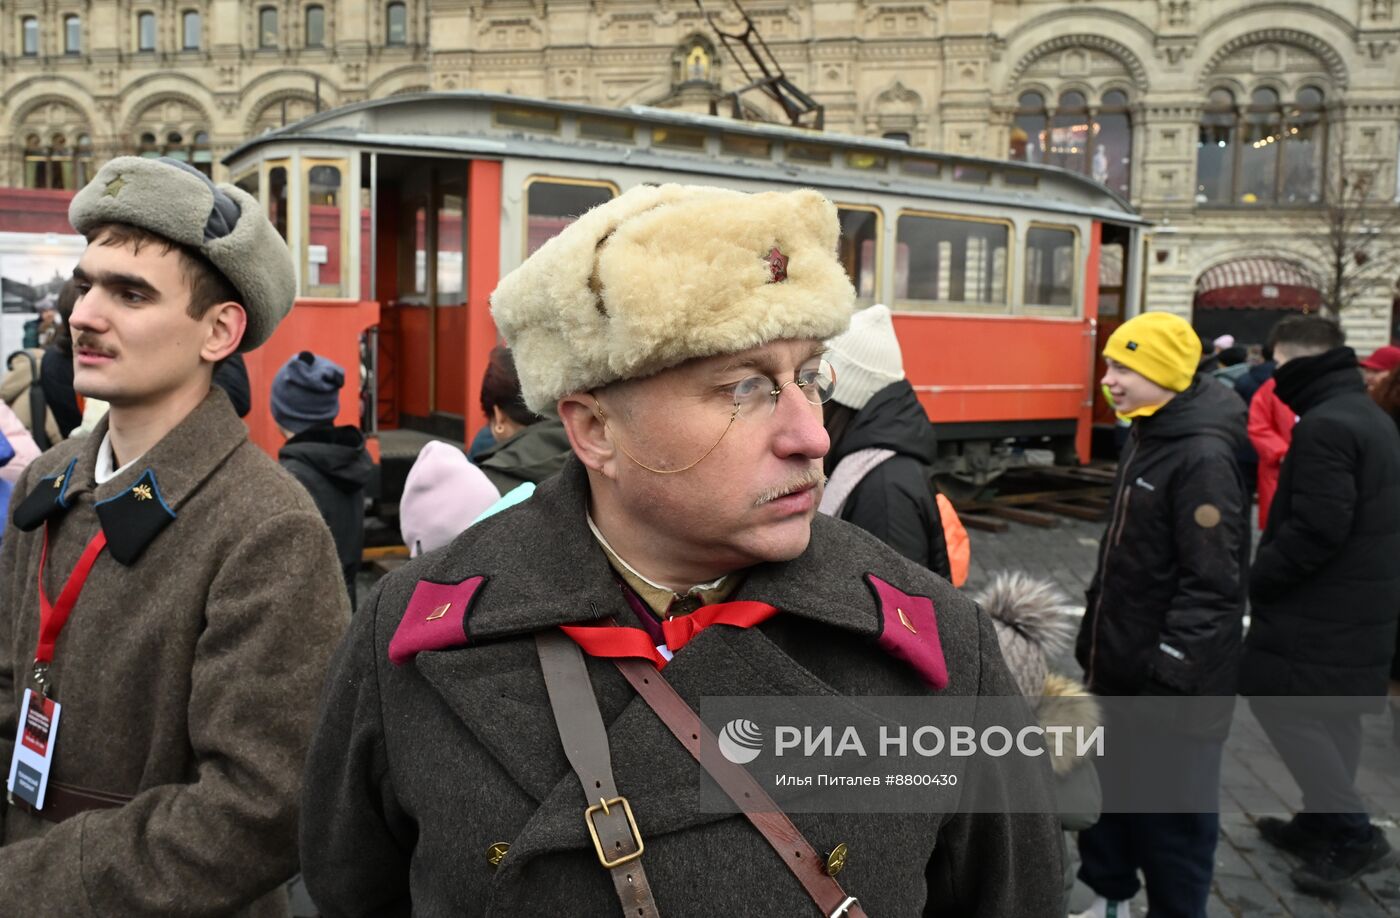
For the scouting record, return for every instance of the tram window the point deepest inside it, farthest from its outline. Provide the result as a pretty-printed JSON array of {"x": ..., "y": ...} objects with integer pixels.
[
  {"x": 553, "y": 205},
  {"x": 531, "y": 119},
  {"x": 746, "y": 146},
  {"x": 977, "y": 175},
  {"x": 451, "y": 243},
  {"x": 413, "y": 251},
  {"x": 679, "y": 138},
  {"x": 611, "y": 129},
  {"x": 1049, "y": 267},
  {"x": 325, "y": 232},
  {"x": 1111, "y": 263},
  {"x": 860, "y": 233},
  {"x": 857, "y": 159},
  {"x": 809, "y": 153},
  {"x": 942, "y": 260},
  {"x": 925, "y": 168},
  {"x": 277, "y": 198},
  {"x": 1020, "y": 179}
]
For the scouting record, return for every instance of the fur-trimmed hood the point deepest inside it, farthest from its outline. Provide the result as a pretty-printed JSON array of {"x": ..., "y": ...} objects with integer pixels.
[{"x": 1064, "y": 702}]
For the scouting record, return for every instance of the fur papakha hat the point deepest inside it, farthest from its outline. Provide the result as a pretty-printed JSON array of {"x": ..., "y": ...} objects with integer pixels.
[
  {"x": 223, "y": 223},
  {"x": 665, "y": 274}
]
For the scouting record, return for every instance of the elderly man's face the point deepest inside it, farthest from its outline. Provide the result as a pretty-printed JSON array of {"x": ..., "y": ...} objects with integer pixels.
[{"x": 752, "y": 498}]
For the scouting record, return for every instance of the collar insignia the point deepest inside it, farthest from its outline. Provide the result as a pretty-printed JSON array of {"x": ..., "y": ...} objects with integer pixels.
[
  {"x": 44, "y": 502},
  {"x": 134, "y": 518}
]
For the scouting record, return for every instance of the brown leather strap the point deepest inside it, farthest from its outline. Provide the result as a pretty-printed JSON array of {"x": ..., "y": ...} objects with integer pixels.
[
  {"x": 613, "y": 829},
  {"x": 775, "y": 826},
  {"x": 64, "y": 801}
]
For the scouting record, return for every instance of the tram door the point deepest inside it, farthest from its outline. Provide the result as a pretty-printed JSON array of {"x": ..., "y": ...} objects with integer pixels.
[
  {"x": 421, "y": 282},
  {"x": 1115, "y": 248}
]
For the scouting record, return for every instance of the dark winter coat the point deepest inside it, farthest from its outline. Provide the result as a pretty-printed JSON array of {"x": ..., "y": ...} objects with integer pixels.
[
  {"x": 1250, "y": 382},
  {"x": 1166, "y": 604},
  {"x": 1325, "y": 587},
  {"x": 532, "y": 455},
  {"x": 894, "y": 502},
  {"x": 188, "y": 674},
  {"x": 334, "y": 467},
  {"x": 418, "y": 768}
]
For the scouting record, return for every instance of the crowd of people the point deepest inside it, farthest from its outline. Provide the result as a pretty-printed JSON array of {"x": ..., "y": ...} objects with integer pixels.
[{"x": 720, "y": 488}]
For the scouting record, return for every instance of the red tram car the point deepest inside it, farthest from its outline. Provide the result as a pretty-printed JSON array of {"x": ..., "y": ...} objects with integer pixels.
[{"x": 403, "y": 214}]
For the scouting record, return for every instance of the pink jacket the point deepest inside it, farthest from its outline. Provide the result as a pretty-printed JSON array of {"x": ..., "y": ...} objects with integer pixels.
[{"x": 26, "y": 450}]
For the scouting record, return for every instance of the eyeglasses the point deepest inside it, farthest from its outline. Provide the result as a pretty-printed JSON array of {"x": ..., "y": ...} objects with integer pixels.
[{"x": 815, "y": 379}]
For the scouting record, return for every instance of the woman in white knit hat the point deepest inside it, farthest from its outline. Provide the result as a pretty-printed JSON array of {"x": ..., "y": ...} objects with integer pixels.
[{"x": 882, "y": 445}]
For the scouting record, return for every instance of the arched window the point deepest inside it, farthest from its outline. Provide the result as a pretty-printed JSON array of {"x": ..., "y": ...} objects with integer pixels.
[
  {"x": 1069, "y": 133},
  {"x": 1304, "y": 135},
  {"x": 192, "y": 148},
  {"x": 146, "y": 32},
  {"x": 1215, "y": 150},
  {"x": 396, "y": 24},
  {"x": 191, "y": 29},
  {"x": 1093, "y": 140},
  {"x": 55, "y": 163},
  {"x": 1259, "y": 146},
  {"x": 1265, "y": 153},
  {"x": 29, "y": 36},
  {"x": 82, "y": 159},
  {"x": 267, "y": 28},
  {"x": 1028, "y": 130},
  {"x": 72, "y": 35},
  {"x": 315, "y": 27},
  {"x": 1110, "y": 162}
]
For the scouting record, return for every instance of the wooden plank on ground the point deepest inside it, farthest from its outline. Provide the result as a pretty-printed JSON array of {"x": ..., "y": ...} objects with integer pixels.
[
  {"x": 982, "y": 523},
  {"x": 1074, "y": 511},
  {"x": 1029, "y": 517}
]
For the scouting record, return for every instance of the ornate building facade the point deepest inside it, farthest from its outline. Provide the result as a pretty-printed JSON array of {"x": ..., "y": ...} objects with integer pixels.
[{"x": 1212, "y": 116}]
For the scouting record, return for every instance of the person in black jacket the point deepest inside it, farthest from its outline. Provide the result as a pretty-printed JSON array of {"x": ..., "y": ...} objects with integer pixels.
[
  {"x": 1324, "y": 593},
  {"x": 882, "y": 445},
  {"x": 1165, "y": 607},
  {"x": 331, "y": 462}
]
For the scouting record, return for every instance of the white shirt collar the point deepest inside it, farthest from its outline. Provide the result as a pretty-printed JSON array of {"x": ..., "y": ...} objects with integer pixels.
[
  {"x": 104, "y": 471},
  {"x": 699, "y": 587}
]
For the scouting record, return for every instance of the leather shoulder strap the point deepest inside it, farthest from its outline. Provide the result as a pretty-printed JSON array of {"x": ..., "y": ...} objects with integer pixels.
[
  {"x": 760, "y": 809},
  {"x": 611, "y": 825}
]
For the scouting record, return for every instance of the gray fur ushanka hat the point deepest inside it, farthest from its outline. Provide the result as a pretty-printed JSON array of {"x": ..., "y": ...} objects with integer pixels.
[{"x": 223, "y": 223}]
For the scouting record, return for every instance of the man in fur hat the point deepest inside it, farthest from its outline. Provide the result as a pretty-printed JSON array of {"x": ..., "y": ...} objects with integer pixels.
[
  {"x": 678, "y": 332},
  {"x": 164, "y": 587}
]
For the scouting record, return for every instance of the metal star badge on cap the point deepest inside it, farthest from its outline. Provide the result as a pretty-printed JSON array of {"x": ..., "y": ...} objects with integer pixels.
[{"x": 777, "y": 265}]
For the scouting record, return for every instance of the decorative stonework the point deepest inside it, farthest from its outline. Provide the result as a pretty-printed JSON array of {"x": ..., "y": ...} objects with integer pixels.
[
  {"x": 1082, "y": 44},
  {"x": 1227, "y": 53}
]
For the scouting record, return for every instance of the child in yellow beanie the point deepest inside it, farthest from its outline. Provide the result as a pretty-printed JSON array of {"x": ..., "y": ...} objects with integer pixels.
[{"x": 1162, "y": 351}]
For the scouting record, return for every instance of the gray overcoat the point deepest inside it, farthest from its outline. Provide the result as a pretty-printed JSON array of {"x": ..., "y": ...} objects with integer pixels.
[
  {"x": 417, "y": 769},
  {"x": 188, "y": 673}
]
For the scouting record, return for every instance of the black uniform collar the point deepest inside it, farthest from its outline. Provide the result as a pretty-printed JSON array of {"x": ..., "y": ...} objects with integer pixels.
[{"x": 135, "y": 506}]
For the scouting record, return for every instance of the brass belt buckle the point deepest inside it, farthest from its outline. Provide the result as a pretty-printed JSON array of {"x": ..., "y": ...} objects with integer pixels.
[{"x": 605, "y": 807}]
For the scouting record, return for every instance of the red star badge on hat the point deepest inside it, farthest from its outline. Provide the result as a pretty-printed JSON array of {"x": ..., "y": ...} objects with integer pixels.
[{"x": 777, "y": 265}]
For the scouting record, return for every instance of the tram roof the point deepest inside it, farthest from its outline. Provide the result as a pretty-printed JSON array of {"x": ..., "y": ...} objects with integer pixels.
[{"x": 471, "y": 122}]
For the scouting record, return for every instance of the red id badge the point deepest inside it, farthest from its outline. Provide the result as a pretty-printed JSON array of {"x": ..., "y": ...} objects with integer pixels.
[{"x": 34, "y": 744}]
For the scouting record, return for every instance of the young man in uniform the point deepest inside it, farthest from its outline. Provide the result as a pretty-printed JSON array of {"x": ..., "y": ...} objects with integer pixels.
[
  {"x": 165, "y": 585},
  {"x": 678, "y": 331},
  {"x": 1164, "y": 614}
]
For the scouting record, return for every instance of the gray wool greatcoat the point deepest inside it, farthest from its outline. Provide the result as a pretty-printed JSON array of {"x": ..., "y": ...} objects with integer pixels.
[
  {"x": 188, "y": 673},
  {"x": 416, "y": 769}
]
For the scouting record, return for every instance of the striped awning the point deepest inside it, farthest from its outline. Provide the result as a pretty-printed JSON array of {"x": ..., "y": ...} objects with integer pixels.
[{"x": 1255, "y": 272}]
